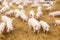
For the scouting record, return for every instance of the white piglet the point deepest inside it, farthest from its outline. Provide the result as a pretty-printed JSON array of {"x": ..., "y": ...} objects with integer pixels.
[
  {"x": 57, "y": 22},
  {"x": 34, "y": 5},
  {"x": 17, "y": 13},
  {"x": 45, "y": 26},
  {"x": 23, "y": 16},
  {"x": 2, "y": 26},
  {"x": 33, "y": 23},
  {"x": 32, "y": 13},
  {"x": 9, "y": 25},
  {"x": 48, "y": 8},
  {"x": 10, "y": 12},
  {"x": 4, "y": 18},
  {"x": 39, "y": 14},
  {"x": 5, "y": 8},
  {"x": 20, "y": 7},
  {"x": 53, "y": 14},
  {"x": 39, "y": 8}
]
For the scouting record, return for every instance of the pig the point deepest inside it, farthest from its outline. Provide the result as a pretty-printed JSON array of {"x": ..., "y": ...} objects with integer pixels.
[
  {"x": 45, "y": 26},
  {"x": 55, "y": 13},
  {"x": 33, "y": 23}
]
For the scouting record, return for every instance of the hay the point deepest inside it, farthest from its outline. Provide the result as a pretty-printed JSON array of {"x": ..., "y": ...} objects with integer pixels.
[
  {"x": 22, "y": 32},
  {"x": 56, "y": 6}
]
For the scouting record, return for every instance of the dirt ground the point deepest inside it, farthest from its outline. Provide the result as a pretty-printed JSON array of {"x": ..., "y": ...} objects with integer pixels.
[{"x": 22, "y": 32}]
